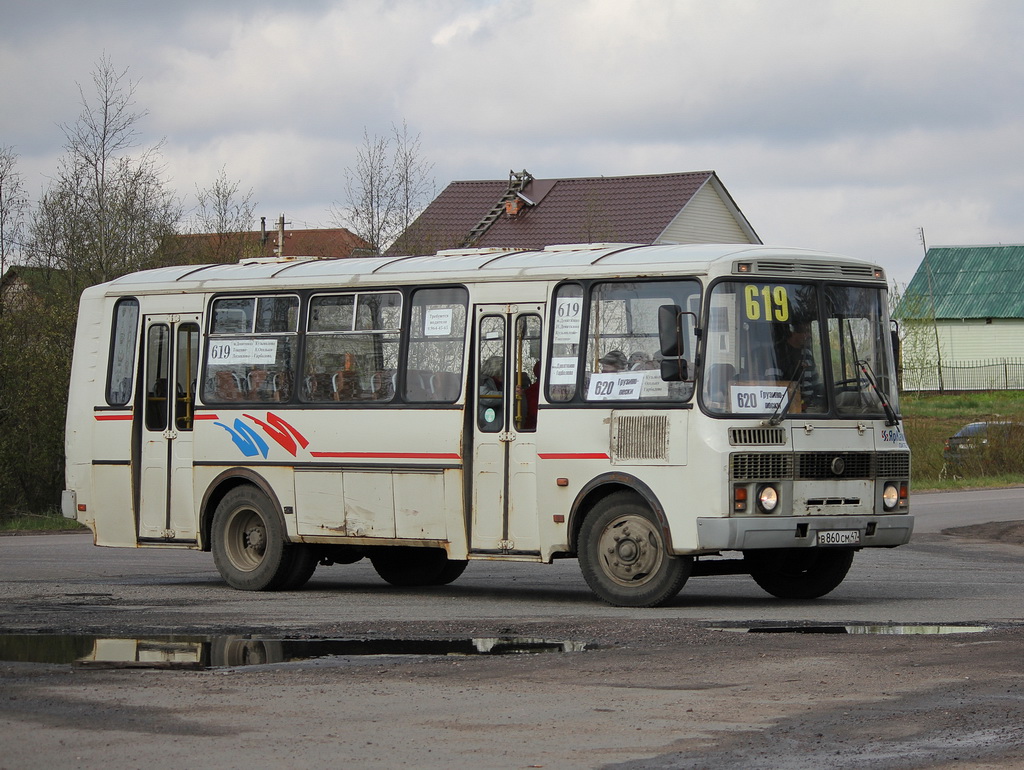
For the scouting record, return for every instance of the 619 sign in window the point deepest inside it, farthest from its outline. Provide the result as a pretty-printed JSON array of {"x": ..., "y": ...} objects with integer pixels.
[{"x": 766, "y": 303}]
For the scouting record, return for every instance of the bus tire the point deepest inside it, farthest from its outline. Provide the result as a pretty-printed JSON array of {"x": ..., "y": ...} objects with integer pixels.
[
  {"x": 248, "y": 541},
  {"x": 799, "y": 573},
  {"x": 451, "y": 571},
  {"x": 304, "y": 563},
  {"x": 409, "y": 567},
  {"x": 624, "y": 556}
]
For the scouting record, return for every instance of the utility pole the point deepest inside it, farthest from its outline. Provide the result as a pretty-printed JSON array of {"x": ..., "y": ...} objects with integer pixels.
[{"x": 280, "y": 236}]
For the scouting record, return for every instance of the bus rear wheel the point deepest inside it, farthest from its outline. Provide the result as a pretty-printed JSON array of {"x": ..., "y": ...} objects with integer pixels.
[
  {"x": 406, "y": 566},
  {"x": 248, "y": 546},
  {"x": 624, "y": 556},
  {"x": 799, "y": 573}
]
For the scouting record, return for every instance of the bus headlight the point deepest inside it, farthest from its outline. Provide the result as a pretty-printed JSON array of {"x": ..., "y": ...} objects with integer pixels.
[
  {"x": 767, "y": 498},
  {"x": 890, "y": 496}
]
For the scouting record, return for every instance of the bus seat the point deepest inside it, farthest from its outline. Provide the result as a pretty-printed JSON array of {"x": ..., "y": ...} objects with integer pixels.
[
  {"x": 227, "y": 386},
  {"x": 444, "y": 386},
  {"x": 345, "y": 386},
  {"x": 263, "y": 385},
  {"x": 417, "y": 385},
  {"x": 382, "y": 385}
]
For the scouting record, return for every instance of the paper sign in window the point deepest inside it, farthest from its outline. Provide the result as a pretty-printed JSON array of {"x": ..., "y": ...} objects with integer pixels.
[
  {"x": 563, "y": 371},
  {"x": 568, "y": 320},
  {"x": 757, "y": 398},
  {"x": 243, "y": 351},
  {"x": 438, "y": 322},
  {"x": 616, "y": 386}
]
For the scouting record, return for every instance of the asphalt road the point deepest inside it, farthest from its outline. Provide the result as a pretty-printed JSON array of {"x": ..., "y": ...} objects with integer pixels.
[{"x": 658, "y": 688}]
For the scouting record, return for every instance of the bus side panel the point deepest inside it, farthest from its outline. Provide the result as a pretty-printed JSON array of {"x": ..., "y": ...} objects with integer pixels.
[
  {"x": 115, "y": 523},
  {"x": 97, "y": 444},
  {"x": 579, "y": 445},
  {"x": 420, "y": 505},
  {"x": 352, "y": 477},
  {"x": 321, "y": 509},
  {"x": 572, "y": 444}
]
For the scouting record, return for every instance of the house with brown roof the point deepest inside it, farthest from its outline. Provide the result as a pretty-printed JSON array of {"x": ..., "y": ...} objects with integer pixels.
[
  {"x": 524, "y": 212},
  {"x": 231, "y": 247}
]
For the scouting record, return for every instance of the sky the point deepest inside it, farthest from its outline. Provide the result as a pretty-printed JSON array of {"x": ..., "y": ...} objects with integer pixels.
[{"x": 844, "y": 125}]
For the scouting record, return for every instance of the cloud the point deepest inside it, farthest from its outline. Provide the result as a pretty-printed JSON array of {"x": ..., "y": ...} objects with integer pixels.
[{"x": 836, "y": 124}]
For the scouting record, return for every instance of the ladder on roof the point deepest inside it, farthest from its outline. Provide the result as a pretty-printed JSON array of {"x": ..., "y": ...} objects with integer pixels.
[{"x": 517, "y": 180}]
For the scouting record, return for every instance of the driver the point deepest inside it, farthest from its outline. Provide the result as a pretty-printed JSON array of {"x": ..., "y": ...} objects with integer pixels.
[{"x": 794, "y": 357}]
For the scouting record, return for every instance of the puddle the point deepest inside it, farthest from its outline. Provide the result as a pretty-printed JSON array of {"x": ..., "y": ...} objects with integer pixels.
[
  {"x": 200, "y": 652},
  {"x": 862, "y": 629}
]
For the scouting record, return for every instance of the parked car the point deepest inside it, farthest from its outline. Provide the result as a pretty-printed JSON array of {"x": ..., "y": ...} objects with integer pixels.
[{"x": 985, "y": 447}]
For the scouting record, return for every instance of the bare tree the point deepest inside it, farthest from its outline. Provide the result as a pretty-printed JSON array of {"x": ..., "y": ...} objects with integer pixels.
[
  {"x": 415, "y": 186},
  {"x": 387, "y": 189},
  {"x": 221, "y": 226},
  {"x": 106, "y": 212},
  {"x": 13, "y": 208}
]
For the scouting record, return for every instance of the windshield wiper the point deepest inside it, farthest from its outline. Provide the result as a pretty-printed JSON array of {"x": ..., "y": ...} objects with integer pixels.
[
  {"x": 783, "y": 408},
  {"x": 890, "y": 413}
]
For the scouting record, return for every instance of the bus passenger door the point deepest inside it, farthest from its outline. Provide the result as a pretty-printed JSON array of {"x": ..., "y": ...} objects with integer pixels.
[
  {"x": 166, "y": 403},
  {"x": 504, "y": 516}
]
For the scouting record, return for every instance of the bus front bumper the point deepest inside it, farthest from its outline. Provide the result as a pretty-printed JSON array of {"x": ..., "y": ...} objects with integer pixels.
[{"x": 748, "y": 532}]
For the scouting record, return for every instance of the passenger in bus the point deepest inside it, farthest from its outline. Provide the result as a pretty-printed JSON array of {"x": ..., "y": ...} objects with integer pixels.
[
  {"x": 531, "y": 397},
  {"x": 613, "y": 361},
  {"x": 492, "y": 377},
  {"x": 638, "y": 360},
  {"x": 492, "y": 390}
]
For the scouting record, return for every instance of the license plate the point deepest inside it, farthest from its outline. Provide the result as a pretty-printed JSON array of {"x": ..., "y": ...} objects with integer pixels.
[{"x": 839, "y": 537}]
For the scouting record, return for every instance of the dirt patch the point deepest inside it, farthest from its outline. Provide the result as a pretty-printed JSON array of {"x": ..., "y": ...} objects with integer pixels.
[{"x": 995, "y": 531}]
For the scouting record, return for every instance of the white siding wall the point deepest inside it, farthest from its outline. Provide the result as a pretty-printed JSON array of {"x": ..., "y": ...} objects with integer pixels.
[
  {"x": 705, "y": 219},
  {"x": 975, "y": 340}
]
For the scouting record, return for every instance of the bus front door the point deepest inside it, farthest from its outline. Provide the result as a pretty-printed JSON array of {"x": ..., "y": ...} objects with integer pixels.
[
  {"x": 504, "y": 510},
  {"x": 166, "y": 403}
]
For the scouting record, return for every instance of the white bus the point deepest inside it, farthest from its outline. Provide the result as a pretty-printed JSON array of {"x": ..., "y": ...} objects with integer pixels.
[{"x": 657, "y": 412}]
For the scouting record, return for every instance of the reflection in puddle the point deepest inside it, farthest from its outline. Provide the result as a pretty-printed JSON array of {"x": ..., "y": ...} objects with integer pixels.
[
  {"x": 861, "y": 629},
  {"x": 198, "y": 652}
]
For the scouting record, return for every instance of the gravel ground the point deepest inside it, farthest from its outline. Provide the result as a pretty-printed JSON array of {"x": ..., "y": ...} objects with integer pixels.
[{"x": 659, "y": 693}]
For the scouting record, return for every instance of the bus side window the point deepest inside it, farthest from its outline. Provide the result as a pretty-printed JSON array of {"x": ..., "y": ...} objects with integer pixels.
[
  {"x": 252, "y": 349},
  {"x": 124, "y": 335},
  {"x": 437, "y": 335},
  {"x": 527, "y": 368},
  {"x": 186, "y": 360}
]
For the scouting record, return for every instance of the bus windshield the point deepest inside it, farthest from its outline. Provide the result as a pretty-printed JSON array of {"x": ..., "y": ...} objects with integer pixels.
[{"x": 778, "y": 349}]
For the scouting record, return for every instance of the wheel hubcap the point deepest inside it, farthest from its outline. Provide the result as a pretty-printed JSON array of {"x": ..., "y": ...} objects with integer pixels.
[
  {"x": 247, "y": 540},
  {"x": 631, "y": 550}
]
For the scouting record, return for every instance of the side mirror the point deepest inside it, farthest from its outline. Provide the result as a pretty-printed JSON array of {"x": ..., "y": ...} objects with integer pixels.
[
  {"x": 670, "y": 330},
  {"x": 674, "y": 370},
  {"x": 672, "y": 340},
  {"x": 894, "y": 333}
]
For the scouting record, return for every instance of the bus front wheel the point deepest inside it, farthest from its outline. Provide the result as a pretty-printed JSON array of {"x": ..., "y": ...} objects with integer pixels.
[
  {"x": 799, "y": 573},
  {"x": 248, "y": 546},
  {"x": 624, "y": 556}
]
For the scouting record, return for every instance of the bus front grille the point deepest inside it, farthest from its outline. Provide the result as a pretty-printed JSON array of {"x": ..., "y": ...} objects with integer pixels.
[{"x": 818, "y": 466}]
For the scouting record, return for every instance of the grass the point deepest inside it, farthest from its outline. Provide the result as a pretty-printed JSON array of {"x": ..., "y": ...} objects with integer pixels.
[
  {"x": 928, "y": 420},
  {"x": 50, "y": 521}
]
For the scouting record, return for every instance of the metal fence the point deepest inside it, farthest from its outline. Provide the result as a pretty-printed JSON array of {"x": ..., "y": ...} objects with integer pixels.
[{"x": 993, "y": 374}]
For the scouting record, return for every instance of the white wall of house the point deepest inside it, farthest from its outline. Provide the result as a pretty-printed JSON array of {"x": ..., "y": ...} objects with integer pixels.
[
  {"x": 705, "y": 219},
  {"x": 976, "y": 340}
]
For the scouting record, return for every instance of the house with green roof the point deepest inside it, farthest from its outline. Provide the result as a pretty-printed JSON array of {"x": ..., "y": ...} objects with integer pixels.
[{"x": 969, "y": 302}]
